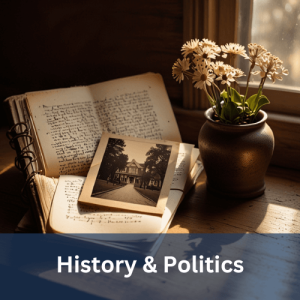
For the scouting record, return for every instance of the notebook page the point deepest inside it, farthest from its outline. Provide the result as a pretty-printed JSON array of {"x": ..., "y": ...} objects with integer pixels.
[
  {"x": 136, "y": 106},
  {"x": 67, "y": 129}
]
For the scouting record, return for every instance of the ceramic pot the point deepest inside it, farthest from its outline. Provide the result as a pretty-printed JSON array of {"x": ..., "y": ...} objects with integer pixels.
[{"x": 236, "y": 157}]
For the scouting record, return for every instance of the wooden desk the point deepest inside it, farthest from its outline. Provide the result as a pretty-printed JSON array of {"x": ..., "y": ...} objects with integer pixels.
[{"x": 277, "y": 211}]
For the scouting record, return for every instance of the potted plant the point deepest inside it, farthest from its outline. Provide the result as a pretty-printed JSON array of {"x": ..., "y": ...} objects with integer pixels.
[{"x": 236, "y": 144}]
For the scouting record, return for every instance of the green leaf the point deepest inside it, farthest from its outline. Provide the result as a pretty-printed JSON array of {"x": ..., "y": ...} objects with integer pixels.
[
  {"x": 237, "y": 120},
  {"x": 230, "y": 111},
  {"x": 263, "y": 100},
  {"x": 247, "y": 110},
  {"x": 251, "y": 102},
  {"x": 224, "y": 94},
  {"x": 235, "y": 96}
]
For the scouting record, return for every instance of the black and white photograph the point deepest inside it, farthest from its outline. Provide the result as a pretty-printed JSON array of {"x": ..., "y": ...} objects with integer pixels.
[{"x": 132, "y": 172}]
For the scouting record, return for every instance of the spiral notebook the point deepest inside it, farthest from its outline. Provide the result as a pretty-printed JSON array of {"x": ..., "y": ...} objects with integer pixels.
[{"x": 56, "y": 133}]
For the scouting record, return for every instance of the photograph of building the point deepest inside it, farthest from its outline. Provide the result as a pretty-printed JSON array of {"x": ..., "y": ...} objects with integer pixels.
[{"x": 132, "y": 171}]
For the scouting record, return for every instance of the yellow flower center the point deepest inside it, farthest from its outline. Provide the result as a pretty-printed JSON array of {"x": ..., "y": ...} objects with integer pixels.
[{"x": 203, "y": 77}]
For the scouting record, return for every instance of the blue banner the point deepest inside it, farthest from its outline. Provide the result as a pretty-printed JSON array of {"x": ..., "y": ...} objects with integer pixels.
[{"x": 171, "y": 266}]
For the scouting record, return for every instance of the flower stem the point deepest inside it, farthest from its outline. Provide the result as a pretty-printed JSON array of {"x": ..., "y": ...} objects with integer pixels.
[
  {"x": 248, "y": 79},
  {"x": 211, "y": 93},
  {"x": 208, "y": 98},
  {"x": 188, "y": 73},
  {"x": 216, "y": 87}
]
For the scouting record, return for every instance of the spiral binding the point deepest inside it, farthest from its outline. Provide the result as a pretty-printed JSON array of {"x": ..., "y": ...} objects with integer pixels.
[{"x": 23, "y": 153}]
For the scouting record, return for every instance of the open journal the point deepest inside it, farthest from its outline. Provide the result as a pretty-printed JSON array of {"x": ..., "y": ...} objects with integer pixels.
[
  {"x": 68, "y": 122},
  {"x": 58, "y": 132}
]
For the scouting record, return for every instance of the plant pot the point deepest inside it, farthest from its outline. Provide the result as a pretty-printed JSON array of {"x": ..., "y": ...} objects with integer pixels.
[{"x": 236, "y": 157}]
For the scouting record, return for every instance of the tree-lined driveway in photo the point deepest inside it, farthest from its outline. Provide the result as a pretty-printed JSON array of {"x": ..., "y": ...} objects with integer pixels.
[{"x": 126, "y": 194}]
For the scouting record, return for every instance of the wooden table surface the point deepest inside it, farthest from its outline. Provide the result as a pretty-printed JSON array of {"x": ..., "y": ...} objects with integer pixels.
[{"x": 277, "y": 211}]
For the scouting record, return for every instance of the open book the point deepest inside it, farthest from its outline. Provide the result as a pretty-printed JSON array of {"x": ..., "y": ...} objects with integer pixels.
[
  {"x": 68, "y": 216},
  {"x": 60, "y": 130},
  {"x": 68, "y": 123}
]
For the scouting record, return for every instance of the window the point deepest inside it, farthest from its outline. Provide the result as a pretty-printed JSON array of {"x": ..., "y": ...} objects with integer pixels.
[{"x": 275, "y": 24}]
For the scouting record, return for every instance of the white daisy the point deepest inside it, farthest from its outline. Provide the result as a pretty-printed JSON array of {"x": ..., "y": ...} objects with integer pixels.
[
  {"x": 238, "y": 73},
  {"x": 233, "y": 48},
  {"x": 190, "y": 47},
  {"x": 218, "y": 67},
  {"x": 210, "y": 44},
  {"x": 179, "y": 67},
  {"x": 226, "y": 77},
  {"x": 203, "y": 77},
  {"x": 205, "y": 54}
]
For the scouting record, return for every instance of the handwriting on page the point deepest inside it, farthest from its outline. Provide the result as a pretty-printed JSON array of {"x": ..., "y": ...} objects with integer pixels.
[
  {"x": 89, "y": 214},
  {"x": 129, "y": 114},
  {"x": 75, "y": 133}
]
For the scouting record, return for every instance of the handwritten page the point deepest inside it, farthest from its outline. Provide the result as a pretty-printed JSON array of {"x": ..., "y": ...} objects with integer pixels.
[
  {"x": 130, "y": 114},
  {"x": 69, "y": 122},
  {"x": 67, "y": 127},
  {"x": 138, "y": 106},
  {"x": 67, "y": 216}
]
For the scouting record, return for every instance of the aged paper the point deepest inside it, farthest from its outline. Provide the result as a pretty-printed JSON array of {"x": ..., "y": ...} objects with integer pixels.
[
  {"x": 137, "y": 106},
  {"x": 46, "y": 188},
  {"x": 69, "y": 122},
  {"x": 67, "y": 216},
  {"x": 139, "y": 147},
  {"x": 67, "y": 128}
]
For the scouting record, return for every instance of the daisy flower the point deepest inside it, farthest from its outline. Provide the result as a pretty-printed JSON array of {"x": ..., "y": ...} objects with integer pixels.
[
  {"x": 218, "y": 67},
  {"x": 210, "y": 44},
  {"x": 205, "y": 54},
  {"x": 233, "y": 48},
  {"x": 190, "y": 47},
  {"x": 203, "y": 77},
  {"x": 179, "y": 67},
  {"x": 207, "y": 42},
  {"x": 227, "y": 76},
  {"x": 238, "y": 73}
]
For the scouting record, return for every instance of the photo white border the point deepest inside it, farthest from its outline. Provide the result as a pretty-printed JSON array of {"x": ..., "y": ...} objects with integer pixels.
[{"x": 86, "y": 198}]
